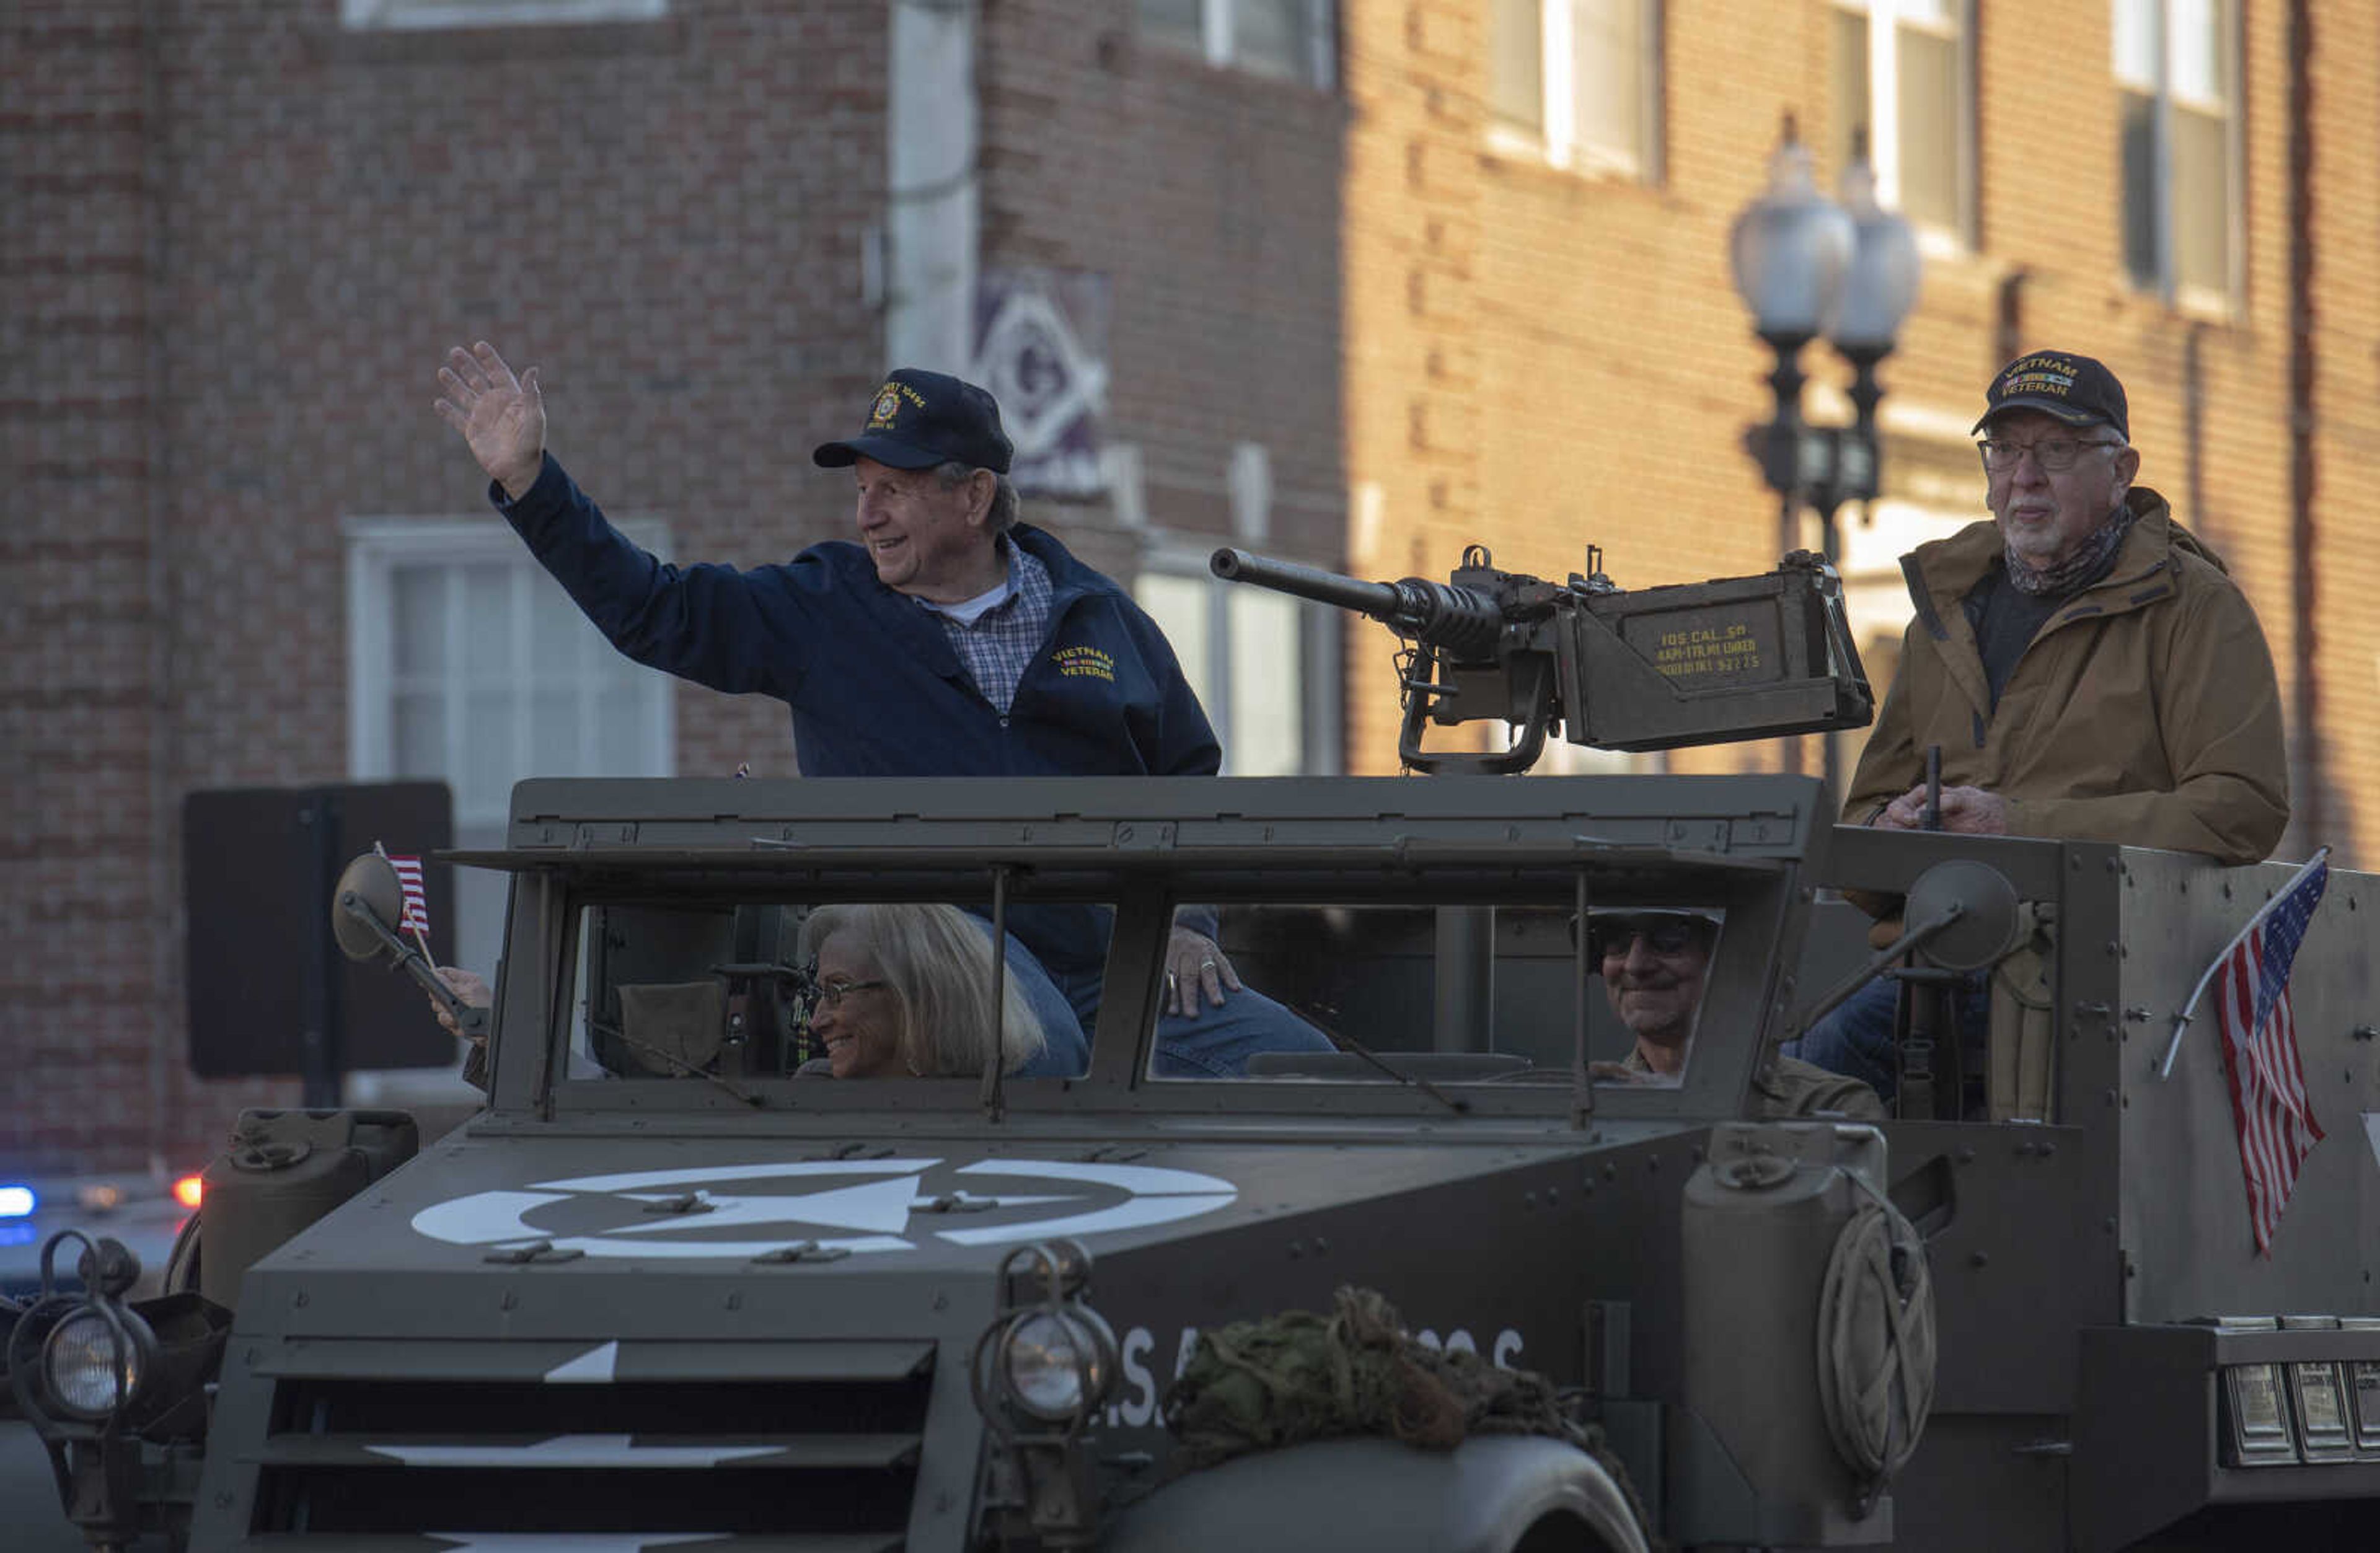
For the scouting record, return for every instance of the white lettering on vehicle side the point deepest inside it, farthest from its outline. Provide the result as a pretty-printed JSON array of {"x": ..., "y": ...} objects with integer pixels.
[
  {"x": 1139, "y": 1404},
  {"x": 1140, "y": 1399}
]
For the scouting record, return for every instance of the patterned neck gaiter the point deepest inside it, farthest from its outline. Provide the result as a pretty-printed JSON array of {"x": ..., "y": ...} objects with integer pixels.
[{"x": 2084, "y": 565}]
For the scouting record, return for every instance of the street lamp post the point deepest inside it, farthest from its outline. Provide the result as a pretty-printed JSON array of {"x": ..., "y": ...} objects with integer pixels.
[{"x": 1806, "y": 266}]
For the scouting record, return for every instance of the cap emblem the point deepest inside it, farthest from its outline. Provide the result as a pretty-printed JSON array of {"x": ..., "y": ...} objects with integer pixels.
[
  {"x": 887, "y": 408},
  {"x": 2039, "y": 374}
]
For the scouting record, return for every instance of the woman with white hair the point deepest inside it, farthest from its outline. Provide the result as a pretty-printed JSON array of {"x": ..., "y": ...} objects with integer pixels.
[{"x": 904, "y": 990}]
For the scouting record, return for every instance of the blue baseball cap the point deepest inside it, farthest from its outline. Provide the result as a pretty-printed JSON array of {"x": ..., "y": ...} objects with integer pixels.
[{"x": 919, "y": 420}]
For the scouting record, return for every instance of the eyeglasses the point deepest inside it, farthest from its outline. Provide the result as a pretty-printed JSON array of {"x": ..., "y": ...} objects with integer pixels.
[
  {"x": 2055, "y": 454},
  {"x": 831, "y": 994},
  {"x": 1663, "y": 935}
]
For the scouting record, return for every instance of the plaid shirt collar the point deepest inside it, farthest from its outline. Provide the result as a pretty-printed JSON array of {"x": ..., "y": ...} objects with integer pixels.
[{"x": 999, "y": 646}]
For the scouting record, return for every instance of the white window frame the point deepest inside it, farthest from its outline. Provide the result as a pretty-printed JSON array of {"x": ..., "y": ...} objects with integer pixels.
[
  {"x": 376, "y": 547},
  {"x": 422, "y": 15},
  {"x": 1558, "y": 145},
  {"x": 1884, "y": 122},
  {"x": 1216, "y": 20},
  {"x": 1319, "y": 752},
  {"x": 2165, "y": 284}
]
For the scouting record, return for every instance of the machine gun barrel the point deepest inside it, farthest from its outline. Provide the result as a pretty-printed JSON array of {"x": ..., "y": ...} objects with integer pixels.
[
  {"x": 1378, "y": 599},
  {"x": 1463, "y": 621}
]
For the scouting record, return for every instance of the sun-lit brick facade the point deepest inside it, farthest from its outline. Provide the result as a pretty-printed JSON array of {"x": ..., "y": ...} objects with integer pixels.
[{"x": 1541, "y": 359}]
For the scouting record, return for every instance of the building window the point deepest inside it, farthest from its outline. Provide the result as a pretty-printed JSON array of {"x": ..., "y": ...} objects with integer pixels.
[
  {"x": 1254, "y": 658},
  {"x": 1578, "y": 82},
  {"x": 1903, "y": 85},
  {"x": 1288, "y": 40},
  {"x": 395, "y": 14},
  {"x": 467, "y": 664},
  {"x": 2177, "y": 89}
]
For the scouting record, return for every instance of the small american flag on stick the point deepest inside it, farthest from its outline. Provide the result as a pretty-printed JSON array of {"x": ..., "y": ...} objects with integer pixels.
[
  {"x": 416, "y": 902},
  {"x": 2250, "y": 982},
  {"x": 416, "y": 919}
]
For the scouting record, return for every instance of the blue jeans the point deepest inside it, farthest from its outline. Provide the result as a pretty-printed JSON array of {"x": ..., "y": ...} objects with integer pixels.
[
  {"x": 1218, "y": 1042},
  {"x": 1856, "y": 1038},
  {"x": 1066, "y": 1052}
]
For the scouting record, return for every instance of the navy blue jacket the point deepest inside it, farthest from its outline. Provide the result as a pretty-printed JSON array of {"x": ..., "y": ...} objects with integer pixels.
[{"x": 875, "y": 687}]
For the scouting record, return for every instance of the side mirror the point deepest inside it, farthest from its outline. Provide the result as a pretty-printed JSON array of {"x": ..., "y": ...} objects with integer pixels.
[
  {"x": 365, "y": 906},
  {"x": 1984, "y": 903}
]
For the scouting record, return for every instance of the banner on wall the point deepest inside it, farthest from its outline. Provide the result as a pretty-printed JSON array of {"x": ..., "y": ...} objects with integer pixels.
[{"x": 1042, "y": 347}]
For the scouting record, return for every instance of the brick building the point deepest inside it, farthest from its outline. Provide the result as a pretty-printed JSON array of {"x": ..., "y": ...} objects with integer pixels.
[
  {"x": 1355, "y": 284},
  {"x": 237, "y": 241},
  {"x": 1546, "y": 349}
]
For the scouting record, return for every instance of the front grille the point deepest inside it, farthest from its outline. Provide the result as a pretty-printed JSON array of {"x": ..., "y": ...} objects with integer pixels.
[{"x": 828, "y": 1454}]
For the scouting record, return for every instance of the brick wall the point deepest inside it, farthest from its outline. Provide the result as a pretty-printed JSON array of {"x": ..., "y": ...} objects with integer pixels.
[
  {"x": 238, "y": 240},
  {"x": 1209, "y": 197},
  {"x": 254, "y": 233}
]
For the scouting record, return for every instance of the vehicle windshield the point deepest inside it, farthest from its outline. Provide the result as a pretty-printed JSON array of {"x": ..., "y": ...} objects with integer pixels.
[
  {"x": 1482, "y": 994},
  {"x": 1279, "y": 992},
  {"x": 823, "y": 989}
]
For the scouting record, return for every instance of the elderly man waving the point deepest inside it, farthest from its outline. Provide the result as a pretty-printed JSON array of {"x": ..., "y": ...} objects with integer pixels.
[{"x": 946, "y": 638}]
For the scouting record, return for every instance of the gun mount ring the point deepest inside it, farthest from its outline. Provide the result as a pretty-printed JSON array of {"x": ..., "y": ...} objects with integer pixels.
[{"x": 1987, "y": 929}]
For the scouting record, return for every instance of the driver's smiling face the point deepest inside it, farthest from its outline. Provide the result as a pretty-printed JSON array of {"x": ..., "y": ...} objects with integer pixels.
[
  {"x": 1656, "y": 992},
  {"x": 862, "y": 1028}
]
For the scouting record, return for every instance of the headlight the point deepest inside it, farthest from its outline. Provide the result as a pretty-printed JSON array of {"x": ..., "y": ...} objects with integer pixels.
[
  {"x": 90, "y": 1365},
  {"x": 1057, "y": 1364}
]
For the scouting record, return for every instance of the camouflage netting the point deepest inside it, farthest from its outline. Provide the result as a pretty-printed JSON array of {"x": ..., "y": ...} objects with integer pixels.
[{"x": 1297, "y": 1377}]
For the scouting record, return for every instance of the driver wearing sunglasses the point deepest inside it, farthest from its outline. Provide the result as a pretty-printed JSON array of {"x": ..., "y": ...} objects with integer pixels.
[{"x": 1653, "y": 965}]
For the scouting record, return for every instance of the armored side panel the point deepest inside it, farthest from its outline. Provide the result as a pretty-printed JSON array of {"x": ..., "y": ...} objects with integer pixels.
[
  {"x": 2186, "y": 1232},
  {"x": 2243, "y": 1389}
]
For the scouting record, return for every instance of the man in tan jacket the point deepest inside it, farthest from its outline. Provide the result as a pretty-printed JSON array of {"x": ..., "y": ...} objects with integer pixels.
[{"x": 2085, "y": 664}]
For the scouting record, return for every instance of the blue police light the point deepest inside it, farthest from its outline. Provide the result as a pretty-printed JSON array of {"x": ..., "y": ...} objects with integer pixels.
[{"x": 16, "y": 1202}]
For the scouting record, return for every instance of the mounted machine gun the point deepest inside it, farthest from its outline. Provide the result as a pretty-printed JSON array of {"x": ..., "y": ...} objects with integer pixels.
[{"x": 1705, "y": 663}]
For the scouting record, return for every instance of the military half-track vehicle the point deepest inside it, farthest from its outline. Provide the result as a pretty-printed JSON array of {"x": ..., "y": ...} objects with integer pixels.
[
  {"x": 670, "y": 1289},
  {"x": 630, "y": 1305}
]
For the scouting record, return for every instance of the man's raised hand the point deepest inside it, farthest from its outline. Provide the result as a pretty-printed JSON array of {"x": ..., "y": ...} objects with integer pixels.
[{"x": 502, "y": 416}]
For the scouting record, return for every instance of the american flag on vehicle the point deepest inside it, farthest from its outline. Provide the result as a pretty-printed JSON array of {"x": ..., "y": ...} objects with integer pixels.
[{"x": 2250, "y": 983}]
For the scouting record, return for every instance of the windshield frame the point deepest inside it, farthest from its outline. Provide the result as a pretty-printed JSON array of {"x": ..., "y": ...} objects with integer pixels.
[{"x": 1531, "y": 852}]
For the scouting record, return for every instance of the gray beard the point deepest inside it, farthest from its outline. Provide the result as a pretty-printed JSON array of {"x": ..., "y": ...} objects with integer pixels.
[{"x": 2093, "y": 553}]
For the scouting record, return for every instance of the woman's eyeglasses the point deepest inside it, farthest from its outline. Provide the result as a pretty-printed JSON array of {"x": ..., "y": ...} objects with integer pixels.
[{"x": 831, "y": 994}]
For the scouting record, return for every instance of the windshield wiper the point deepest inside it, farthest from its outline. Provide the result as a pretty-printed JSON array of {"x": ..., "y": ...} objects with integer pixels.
[{"x": 1460, "y": 1106}]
